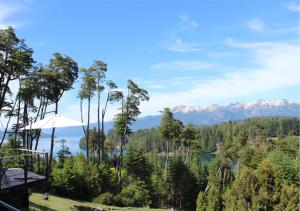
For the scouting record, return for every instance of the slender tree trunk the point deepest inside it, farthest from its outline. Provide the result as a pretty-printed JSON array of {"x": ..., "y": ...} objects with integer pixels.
[
  {"x": 81, "y": 116},
  {"x": 120, "y": 165},
  {"x": 121, "y": 147},
  {"x": 102, "y": 137},
  {"x": 7, "y": 124},
  {"x": 18, "y": 119},
  {"x": 99, "y": 136},
  {"x": 52, "y": 143},
  {"x": 2, "y": 98},
  {"x": 88, "y": 129},
  {"x": 102, "y": 125},
  {"x": 44, "y": 109},
  {"x": 25, "y": 120}
]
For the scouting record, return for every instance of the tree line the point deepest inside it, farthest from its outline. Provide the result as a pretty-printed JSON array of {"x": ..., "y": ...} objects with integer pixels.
[{"x": 208, "y": 137}]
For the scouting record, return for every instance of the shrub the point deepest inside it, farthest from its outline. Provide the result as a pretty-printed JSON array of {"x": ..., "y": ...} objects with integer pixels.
[
  {"x": 135, "y": 195},
  {"x": 105, "y": 198}
]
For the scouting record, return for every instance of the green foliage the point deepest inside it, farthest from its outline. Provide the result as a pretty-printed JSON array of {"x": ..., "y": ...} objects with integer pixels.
[
  {"x": 137, "y": 164},
  {"x": 201, "y": 202},
  {"x": 63, "y": 153},
  {"x": 16, "y": 61},
  {"x": 230, "y": 133},
  {"x": 289, "y": 198},
  {"x": 77, "y": 178},
  {"x": 181, "y": 185},
  {"x": 135, "y": 195},
  {"x": 287, "y": 166},
  {"x": 105, "y": 198}
]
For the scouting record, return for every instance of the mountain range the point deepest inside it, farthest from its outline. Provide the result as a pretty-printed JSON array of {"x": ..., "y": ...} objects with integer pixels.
[{"x": 208, "y": 115}]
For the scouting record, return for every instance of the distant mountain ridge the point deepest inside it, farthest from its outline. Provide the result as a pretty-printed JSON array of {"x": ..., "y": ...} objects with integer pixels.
[
  {"x": 238, "y": 105},
  {"x": 208, "y": 115}
]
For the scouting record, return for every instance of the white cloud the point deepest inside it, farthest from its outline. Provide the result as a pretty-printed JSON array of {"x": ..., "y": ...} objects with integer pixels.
[
  {"x": 294, "y": 6},
  {"x": 179, "y": 46},
  {"x": 278, "y": 67},
  {"x": 182, "y": 65},
  {"x": 231, "y": 42},
  {"x": 9, "y": 10},
  {"x": 186, "y": 22},
  {"x": 255, "y": 24}
]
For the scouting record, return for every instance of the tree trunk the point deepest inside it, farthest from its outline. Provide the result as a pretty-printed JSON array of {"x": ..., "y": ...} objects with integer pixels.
[
  {"x": 52, "y": 143},
  {"x": 99, "y": 136},
  {"x": 120, "y": 165},
  {"x": 44, "y": 109},
  {"x": 7, "y": 124},
  {"x": 18, "y": 119},
  {"x": 2, "y": 97},
  {"x": 102, "y": 124},
  {"x": 88, "y": 129}
]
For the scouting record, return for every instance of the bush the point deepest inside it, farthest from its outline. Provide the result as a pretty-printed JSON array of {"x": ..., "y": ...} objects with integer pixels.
[
  {"x": 77, "y": 178},
  {"x": 134, "y": 195},
  {"x": 105, "y": 198}
]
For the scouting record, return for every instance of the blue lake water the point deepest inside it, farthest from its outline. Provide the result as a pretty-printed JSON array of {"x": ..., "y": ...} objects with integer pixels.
[{"x": 71, "y": 142}]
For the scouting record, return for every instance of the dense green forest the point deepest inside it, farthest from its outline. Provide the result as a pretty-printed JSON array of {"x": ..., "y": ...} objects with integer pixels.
[
  {"x": 256, "y": 166},
  {"x": 209, "y": 136}
]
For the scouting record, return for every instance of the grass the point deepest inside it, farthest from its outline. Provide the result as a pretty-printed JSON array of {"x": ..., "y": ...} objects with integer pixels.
[{"x": 58, "y": 203}]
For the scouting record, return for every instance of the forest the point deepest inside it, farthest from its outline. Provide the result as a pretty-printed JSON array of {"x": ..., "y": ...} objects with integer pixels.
[{"x": 263, "y": 146}]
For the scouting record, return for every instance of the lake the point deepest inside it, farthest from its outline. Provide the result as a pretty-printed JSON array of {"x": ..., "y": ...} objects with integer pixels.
[{"x": 73, "y": 144}]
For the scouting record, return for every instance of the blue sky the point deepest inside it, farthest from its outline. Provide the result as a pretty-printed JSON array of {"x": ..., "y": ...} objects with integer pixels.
[{"x": 187, "y": 52}]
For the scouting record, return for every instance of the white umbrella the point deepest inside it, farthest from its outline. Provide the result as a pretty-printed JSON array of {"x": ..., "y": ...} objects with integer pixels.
[{"x": 51, "y": 122}]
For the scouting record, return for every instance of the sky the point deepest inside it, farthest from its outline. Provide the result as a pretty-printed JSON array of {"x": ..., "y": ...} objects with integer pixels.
[{"x": 184, "y": 52}]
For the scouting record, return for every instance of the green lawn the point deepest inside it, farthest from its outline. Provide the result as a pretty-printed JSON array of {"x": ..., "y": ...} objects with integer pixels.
[{"x": 61, "y": 204}]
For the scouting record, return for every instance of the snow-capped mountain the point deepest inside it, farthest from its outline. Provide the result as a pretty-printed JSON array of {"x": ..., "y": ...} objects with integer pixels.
[
  {"x": 260, "y": 104},
  {"x": 214, "y": 114},
  {"x": 211, "y": 114}
]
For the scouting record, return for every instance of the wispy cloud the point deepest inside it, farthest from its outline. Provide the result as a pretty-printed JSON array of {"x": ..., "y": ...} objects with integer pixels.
[
  {"x": 179, "y": 46},
  {"x": 277, "y": 68},
  {"x": 182, "y": 65},
  {"x": 294, "y": 6},
  {"x": 9, "y": 11},
  {"x": 255, "y": 24},
  {"x": 186, "y": 22},
  {"x": 231, "y": 42}
]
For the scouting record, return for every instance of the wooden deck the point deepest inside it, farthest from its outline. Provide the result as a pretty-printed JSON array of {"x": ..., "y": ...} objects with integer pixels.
[{"x": 15, "y": 177}]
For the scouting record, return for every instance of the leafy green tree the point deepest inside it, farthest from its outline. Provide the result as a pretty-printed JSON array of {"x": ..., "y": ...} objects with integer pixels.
[
  {"x": 129, "y": 111},
  {"x": 181, "y": 181},
  {"x": 15, "y": 62},
  {"x": 87, "y": 91},
  {"x": 168, "y": 129},
  {"x": 63, "y": 153},
  {"x": 137, "y": 164},
  {"x": 135, "y": 195},
  {"x": 188, "y": 135},
  {"x": 99, "y": 70},
  {"x": 112, "y": 95},
  {"x": 61, "y": 73}
]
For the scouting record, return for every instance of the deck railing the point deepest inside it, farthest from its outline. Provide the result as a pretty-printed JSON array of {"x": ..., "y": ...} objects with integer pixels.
[{"x": 28, "y": 160}]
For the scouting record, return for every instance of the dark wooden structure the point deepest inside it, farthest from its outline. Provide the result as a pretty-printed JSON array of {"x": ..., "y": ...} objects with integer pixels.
[{"x": 20, "y": 170}]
